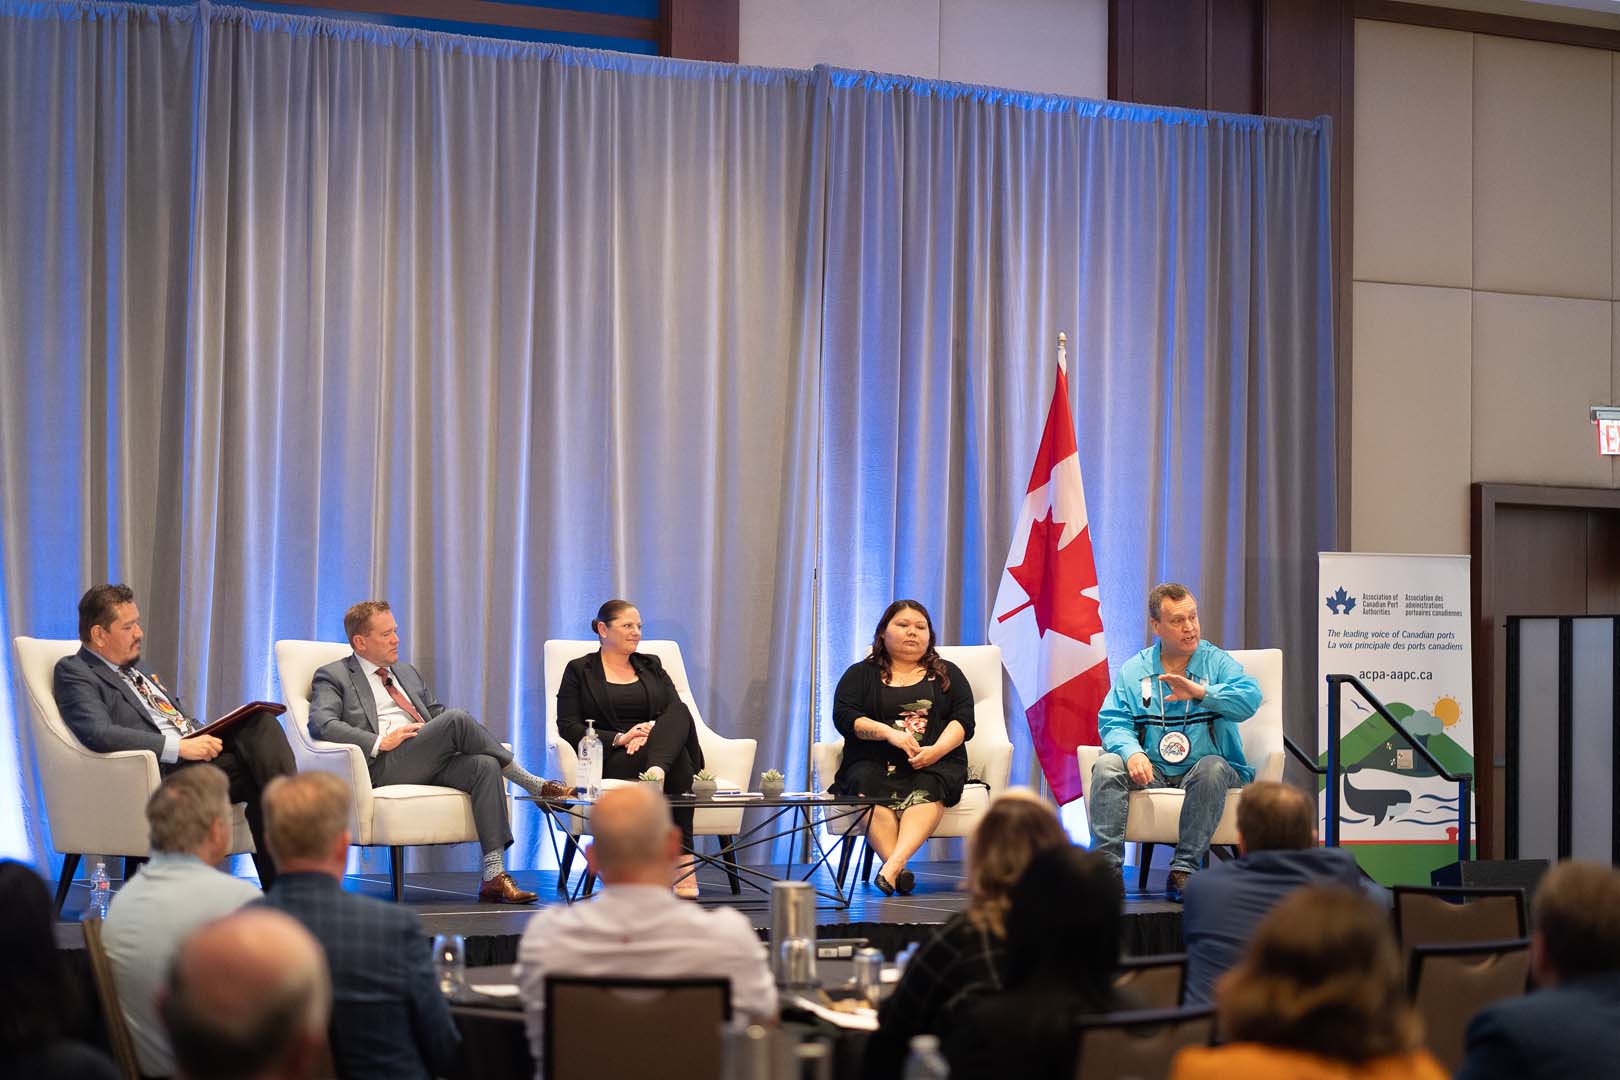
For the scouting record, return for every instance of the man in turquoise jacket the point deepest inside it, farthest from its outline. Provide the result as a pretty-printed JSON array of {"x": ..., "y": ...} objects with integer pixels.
[{"x": 1171, "y": 720}]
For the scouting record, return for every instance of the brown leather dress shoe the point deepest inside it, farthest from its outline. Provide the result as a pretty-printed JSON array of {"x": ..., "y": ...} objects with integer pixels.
[
  {"x": 501, "y": 889},
  {"x": 555, "y": 789}
]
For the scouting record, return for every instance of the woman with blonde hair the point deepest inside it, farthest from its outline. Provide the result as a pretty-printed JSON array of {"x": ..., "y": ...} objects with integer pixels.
[
  {"x": 965, "y": 958},
  {"x": 1320, "y": 994}
]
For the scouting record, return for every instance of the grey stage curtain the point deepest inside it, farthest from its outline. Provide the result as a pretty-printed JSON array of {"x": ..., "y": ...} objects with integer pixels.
[
  {"x": 1187, "y": 257},
  {"x": 323, "y": 311},
  {"x": 295, "y": 312}
]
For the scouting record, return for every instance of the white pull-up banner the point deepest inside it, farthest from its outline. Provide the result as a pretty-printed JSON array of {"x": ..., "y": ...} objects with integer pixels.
[{"x": 1398, "y": 623}]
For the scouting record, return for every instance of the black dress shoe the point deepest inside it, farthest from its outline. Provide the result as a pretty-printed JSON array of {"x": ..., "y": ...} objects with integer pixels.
[
  {"x": 883, "y": 884},
  {"x": 904, "y": 882}
]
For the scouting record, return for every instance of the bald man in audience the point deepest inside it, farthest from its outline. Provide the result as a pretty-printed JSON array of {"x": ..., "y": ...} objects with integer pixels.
[
  {"x": 638, "y": 928},
  {"x": 1277, "y": 854},
  {"x": 248, "y": 998},
  {"x": 1570, "y": 1026},
  {"x": 388, "y": 1018}
]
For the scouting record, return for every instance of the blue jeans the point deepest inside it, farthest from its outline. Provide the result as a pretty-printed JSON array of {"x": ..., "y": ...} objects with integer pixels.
[{"x": 1206, "y": 785}]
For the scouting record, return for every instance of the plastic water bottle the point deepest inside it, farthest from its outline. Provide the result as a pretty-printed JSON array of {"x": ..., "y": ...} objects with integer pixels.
[
  {"x": 100, "y": 893},
  {"x": 588, "y": 775},
  {"x": 925, "y": 1062}
]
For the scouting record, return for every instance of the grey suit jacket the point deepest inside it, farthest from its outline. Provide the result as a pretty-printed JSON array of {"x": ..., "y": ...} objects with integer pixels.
[
  {"x": 343, "y": 708},
  {"x": 101, "y": 709}
]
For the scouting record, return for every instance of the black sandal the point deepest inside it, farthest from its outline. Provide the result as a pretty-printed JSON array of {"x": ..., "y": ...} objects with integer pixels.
[{"x": 883, "y": 884}]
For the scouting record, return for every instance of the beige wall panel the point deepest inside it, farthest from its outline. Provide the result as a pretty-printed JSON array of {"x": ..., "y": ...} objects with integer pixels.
[
  {"x": 900, "y": 36},
  {"x": 1414, "y": 106},
  {"x": 1539, "y": 364},
  {"x": 1543, "y": 189},
  {"x": 1614, "y": 204},
  {"x": 1409, "y": 434},
  {"x": 1048, "y": 46}
]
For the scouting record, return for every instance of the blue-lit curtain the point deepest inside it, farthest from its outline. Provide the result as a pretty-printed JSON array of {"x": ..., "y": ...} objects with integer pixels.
[
  {"x": 1186, "y": 255},
  {"x": 295, "y": 312}
]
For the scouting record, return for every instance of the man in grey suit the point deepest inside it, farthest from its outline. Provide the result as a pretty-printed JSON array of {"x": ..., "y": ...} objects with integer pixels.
[
  {"x": 113, "y": 701},
  {"x": 385, "y": 707}
]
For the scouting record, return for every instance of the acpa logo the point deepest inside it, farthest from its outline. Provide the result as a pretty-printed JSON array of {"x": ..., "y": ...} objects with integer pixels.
[{"x": 1341, "y": 602}]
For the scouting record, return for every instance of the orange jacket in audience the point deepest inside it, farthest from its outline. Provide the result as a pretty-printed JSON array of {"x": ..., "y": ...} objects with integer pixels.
[{"x": 1256, "y": 1061}]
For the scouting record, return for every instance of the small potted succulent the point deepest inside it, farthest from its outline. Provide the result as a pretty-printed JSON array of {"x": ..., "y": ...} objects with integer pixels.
[
  {"x": 703, "y": 784},
  {"x": 650, "y": 777},
  {"x": 770, "y": 783}
]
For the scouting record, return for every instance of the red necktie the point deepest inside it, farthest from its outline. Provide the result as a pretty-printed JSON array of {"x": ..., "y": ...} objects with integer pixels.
[{"x": 399, "y": 698}]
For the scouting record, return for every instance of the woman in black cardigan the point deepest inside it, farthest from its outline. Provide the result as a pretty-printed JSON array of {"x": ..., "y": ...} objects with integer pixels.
[
  {"x": 637, "y": 713},
  {"x": 905, "y": 714}
]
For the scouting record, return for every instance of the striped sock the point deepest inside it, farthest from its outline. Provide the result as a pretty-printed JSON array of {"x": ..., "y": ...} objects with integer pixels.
[{"x": 494, "y": 865}]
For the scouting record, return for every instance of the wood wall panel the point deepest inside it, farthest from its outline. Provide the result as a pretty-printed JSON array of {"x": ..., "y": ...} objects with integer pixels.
[
  {"x": 701, "y": 29},
  {"x": 1236, "y": 42},
  {"x": 1303, "y": 71},
  {"x": 1165, "y": 60}
]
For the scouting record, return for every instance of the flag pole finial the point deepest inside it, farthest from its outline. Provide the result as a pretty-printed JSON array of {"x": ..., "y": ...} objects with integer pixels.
[{"x": 1063, "y": 352}]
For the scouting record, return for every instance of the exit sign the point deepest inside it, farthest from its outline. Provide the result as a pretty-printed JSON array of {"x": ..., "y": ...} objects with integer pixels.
[
  {"x": 1607, "y": 419},
  {"x": 1609, "y": 435}
]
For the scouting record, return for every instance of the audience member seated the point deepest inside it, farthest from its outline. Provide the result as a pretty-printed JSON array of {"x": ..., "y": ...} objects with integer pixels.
[
  {"x": 637, "y": 713},
  {"x": 1320, "y": 994},
  {"x": 388, "y": 1017},
  {"x": 38, "y": 1000},
  {"x": 966, "y": 957},
  {"x": 905, "y": 713},
  {"x": 1278, "y": 853},
  {"x": 189, "y": 817},
  {"x": 1570, "y": 1026},
  {"x": 637, "y": 927},
  {"x": 1063, "y": 928},
  {"x": 247, "y": 998}
]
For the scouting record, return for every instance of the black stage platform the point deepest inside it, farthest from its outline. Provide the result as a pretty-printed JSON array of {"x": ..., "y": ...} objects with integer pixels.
[{"x": 447, "y": 904}]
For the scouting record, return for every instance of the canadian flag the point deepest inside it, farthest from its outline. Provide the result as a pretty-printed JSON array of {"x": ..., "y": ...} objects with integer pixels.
[{"x": 1047, "y": 618}]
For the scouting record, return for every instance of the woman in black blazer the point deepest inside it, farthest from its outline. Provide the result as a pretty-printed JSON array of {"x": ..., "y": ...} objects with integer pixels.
[
  {"x": 637, "y": 713},
  {"x": 904, "y": 713}
]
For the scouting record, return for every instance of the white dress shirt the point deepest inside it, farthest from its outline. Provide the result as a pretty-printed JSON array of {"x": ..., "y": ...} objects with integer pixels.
[
  {"x": 645, "y": 932},
  {"x": 389, "y": 714},
  {"x": 150, "y": 916}
]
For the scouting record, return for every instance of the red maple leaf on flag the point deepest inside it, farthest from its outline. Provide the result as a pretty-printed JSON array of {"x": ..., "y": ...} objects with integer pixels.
[{"x": 1053, "y": 578}]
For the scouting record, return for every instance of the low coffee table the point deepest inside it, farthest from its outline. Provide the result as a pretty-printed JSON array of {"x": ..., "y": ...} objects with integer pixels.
[{"x": 789, "y": 815}]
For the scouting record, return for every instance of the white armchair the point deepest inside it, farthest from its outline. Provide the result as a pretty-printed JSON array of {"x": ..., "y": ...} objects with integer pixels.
[
  {"x": 395, "y": 816},
  {"x": 1154, "y": 815},
  {"x": 989, "y": 752},
  {"x": 730, "y": 760},
  {"x": 95, "y": 802}
]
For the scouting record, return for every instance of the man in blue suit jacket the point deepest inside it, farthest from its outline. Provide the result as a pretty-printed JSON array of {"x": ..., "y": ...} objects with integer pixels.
[
  {"x": 1277, "y": 854},
  {"x": 1571, "y": 1026},
  {"x": 111, "y": 701},
  {"x": 388, "y": 1018}
]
